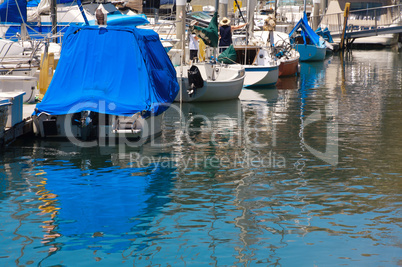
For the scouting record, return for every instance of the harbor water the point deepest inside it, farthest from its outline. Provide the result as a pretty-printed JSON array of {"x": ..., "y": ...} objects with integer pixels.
[{"x": 307, "y": 173}]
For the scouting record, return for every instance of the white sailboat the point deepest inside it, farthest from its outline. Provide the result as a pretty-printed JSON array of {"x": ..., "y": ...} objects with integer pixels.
[
  {"x": 208, "y": 81},
  {"x": 261, "y": 67},
  {"x": 218, "y": 83},
  {"x": 262, "y": 70}
]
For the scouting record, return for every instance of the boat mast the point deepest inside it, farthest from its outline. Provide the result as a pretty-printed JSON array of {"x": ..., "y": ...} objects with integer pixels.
[
  {"x": 248, "y": 20},
  {"x": 53, "y": 16},
  {"x": 275, "y": 8},
  {"x": 215, "y": 49}
]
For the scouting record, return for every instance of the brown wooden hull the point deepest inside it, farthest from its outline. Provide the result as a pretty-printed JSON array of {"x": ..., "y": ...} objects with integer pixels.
[{"x": 288, "y": 67}]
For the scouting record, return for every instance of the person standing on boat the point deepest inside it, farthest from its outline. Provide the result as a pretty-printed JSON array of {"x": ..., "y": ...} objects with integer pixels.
[
  {"x": 225, "y": 33},
  {"x": 193, "y": 43}
]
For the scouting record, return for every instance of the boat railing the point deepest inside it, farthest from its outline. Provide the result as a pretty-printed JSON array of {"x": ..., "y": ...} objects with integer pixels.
[
  {"x": 363, "y": 19},
  {"x": 166, "y": 30}
]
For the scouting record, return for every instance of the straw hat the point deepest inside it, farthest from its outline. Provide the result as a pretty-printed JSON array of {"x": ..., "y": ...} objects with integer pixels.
[{"x": 225, "y": 21}]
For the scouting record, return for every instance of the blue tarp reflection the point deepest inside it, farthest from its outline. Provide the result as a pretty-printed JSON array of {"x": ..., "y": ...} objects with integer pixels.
[{"x": 106, "y": 206}]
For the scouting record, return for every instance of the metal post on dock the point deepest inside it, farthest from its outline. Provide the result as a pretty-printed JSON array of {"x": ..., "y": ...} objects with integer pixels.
[
  {"x": 345, "y": 23},
  {"x": 323, "y": 7},
  {"x": 316, "y": 14},
  {"x": 223, "y": 8},
  {"x": 181, "y": 25}
]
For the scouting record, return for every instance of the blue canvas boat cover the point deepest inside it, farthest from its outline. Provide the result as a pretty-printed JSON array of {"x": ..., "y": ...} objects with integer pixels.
[
  {"x": 124, "y": 20},
  {"x": 33, "y": 3},
  {"x": 306, "y": 30},
  {"x": 326, "y": 34},
  {"x": 111, "y": 70},
  {"x": 13, "y": 11}
]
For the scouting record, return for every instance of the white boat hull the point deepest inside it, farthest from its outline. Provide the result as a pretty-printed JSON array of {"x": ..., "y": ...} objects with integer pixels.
[
  {"x": 226, "y": 84},
  {"x": 259, "y": 76}
]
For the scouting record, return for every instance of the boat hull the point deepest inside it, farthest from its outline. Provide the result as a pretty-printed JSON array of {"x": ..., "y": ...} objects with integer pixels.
[
  {"x": 109, "y": 127},
  {"x": 311, "y": 52},
  {"x": 261, "y": 76},
  {"x": 225, "y": 87},
  {"x": 288, "y": 67}
]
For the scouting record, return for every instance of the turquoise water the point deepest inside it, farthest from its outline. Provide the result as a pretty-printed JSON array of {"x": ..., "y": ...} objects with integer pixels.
[{"x": 305, "y": 174}]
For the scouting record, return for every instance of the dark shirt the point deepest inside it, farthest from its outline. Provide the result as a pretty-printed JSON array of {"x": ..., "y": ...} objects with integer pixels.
[{"x": 226, "y": 35}]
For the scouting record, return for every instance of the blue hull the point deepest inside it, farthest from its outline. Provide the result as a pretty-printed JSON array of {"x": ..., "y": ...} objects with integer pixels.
[{"x": 310, "y": 52}]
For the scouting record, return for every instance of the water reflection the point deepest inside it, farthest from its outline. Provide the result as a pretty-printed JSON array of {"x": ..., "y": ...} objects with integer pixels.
[
  {"x": 96, "y": 197},
  {"x": 200, "y": 194},
  {"x": 288, "y": 83},
  {"x": 312, "y": 74}
]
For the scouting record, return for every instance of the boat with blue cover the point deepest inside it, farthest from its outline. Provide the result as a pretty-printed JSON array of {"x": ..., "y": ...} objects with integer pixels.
[
  {"x": 96, "y": 94},
  {"x": 309, "y": 45}
]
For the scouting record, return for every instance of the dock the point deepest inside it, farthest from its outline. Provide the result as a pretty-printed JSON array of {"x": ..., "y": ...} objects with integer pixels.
[
  {"x": 363, "y": 23},
  {"x": 21, "y": 128}
]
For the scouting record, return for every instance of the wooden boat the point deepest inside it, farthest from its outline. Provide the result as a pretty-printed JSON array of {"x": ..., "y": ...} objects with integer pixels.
[
  {"x": 309, "y": 45},
  {"x": 289, "y": 66},
  {"x": 288, "y": 59},
  {"x": 310, "y": 52},
  {"x": 212, "y": 83}
]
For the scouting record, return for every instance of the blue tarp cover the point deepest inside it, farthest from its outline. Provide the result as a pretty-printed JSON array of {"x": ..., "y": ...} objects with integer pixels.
[
  {"x": 33, "y": 3},
  {"x": 306, "y": 30},
  {"x": 326, "y": 34},
  {"x": 111, "y": 70},
  {"x": 13, "y": 11},
  {"x": 124, "y": 20}
]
